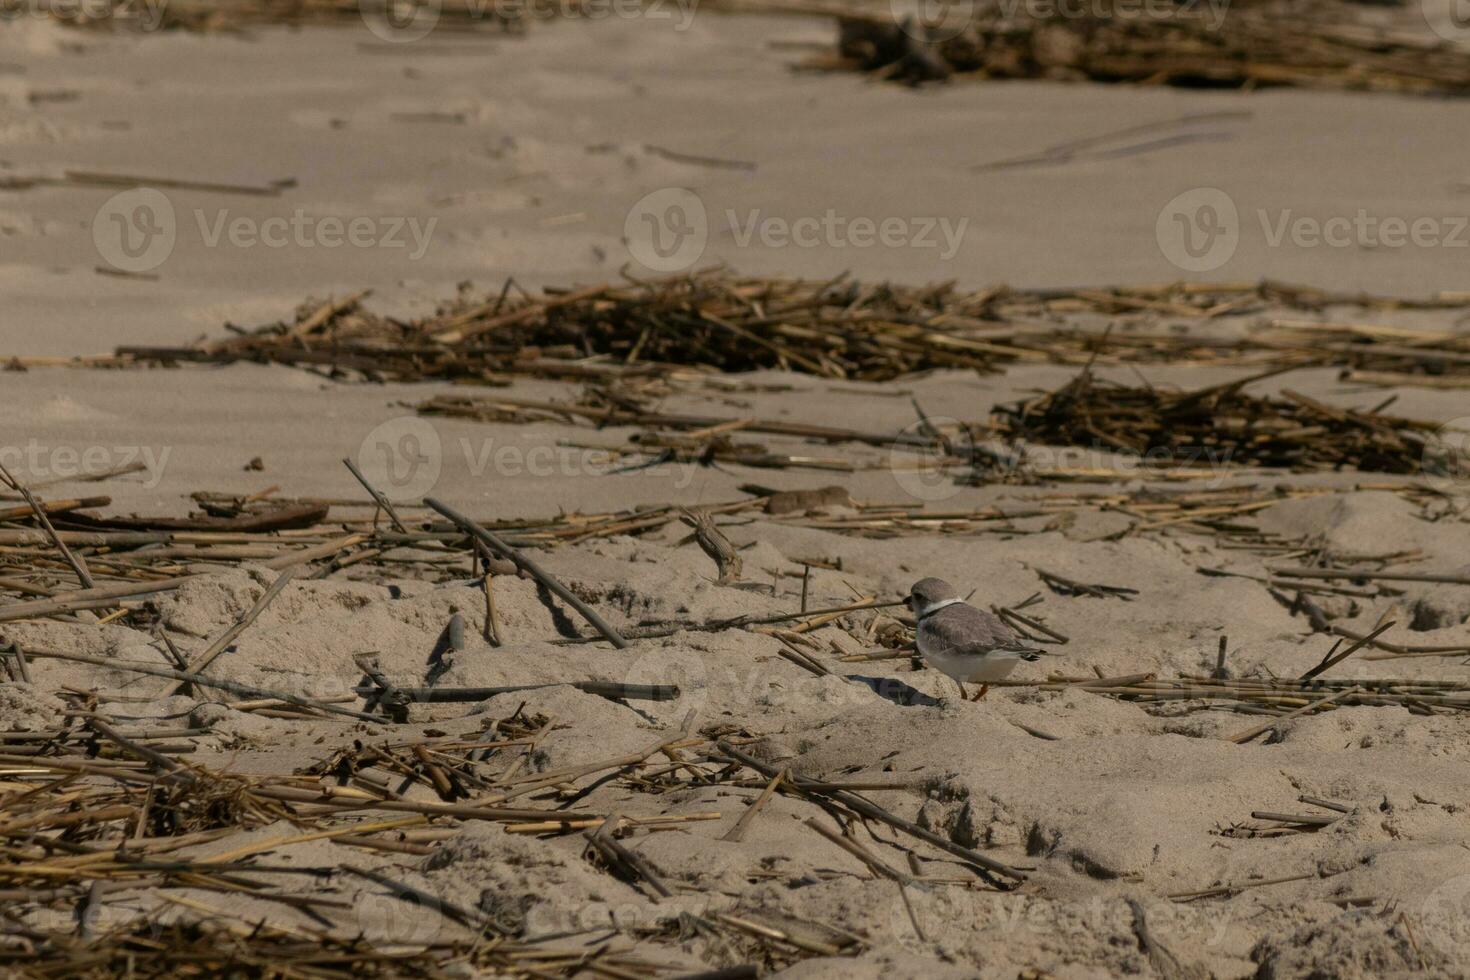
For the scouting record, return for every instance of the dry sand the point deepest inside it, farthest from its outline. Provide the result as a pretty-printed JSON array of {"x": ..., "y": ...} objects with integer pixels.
[{"x": 1121, "y": 810}]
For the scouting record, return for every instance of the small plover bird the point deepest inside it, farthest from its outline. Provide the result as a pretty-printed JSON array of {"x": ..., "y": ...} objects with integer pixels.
[{"x": 966, "y": 643}]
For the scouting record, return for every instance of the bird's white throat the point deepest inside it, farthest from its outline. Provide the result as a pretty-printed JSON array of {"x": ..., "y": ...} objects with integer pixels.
[{"x": 934, "y": 607}]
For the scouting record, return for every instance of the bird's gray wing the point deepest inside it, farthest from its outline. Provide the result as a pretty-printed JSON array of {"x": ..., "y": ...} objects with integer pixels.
[{"x": 965, "y": 629}]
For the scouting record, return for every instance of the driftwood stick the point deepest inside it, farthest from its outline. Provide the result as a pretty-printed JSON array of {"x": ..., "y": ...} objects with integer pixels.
[
  {"x": 737, "y": 833},
  {"x": 22, "y": 665},
  {"x": 631, "y": 863},
  {"x": 1251, "y": 733},
  {"x": 1305, "y": 819},
  {"x": 606, "y": 689},
  {"x": 173, "y": 652},
  {"x": 27, "y": 538},
  {"x": 562, "y": 823},
  {"x": 342, "y": 798},
  {"x": 474, "y": 922},
  {"x": 377, "y": 495},
  {"x": 1332, "y": 661},
  {"x": 531, "y": 568},
  {"x": 875, "y": 812},
  {"x": 105, "y": 595},
  {"x": 1371, "y": 576},
  {"x": 539, "y": 781},
  {"x": 1015, "y": 618},
  {"x": 1221, "y": 891},
  {"x": 77, "y": 564},
  {"x": 219, "y": 646},
  {"x": 1325, "y": 804},
  {"x": 246, "y": 690},
  {"x": 393, "y": 703},
  {"x": 102, "y": 595},
  {"x": 48, "y": 506},
  {"x": 875, "y": 863},
  {"x": 814, "y": 617},
  {"x": 154, "y": 758}
]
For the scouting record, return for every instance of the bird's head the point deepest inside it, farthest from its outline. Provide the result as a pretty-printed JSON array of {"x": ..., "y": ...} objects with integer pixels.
[{"x": 928, "y": 591}]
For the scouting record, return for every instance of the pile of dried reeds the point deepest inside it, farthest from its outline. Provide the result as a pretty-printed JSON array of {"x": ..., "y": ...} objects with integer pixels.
[
  {"x": 1219, "y": 425},
  {"x": 714, "y": 321},
  {"x": 83, "y": 837},
  {"x": 1376, "y": 354},
  {"x": 688, "y": 327},
  {"x": 1328, "y": 44}
]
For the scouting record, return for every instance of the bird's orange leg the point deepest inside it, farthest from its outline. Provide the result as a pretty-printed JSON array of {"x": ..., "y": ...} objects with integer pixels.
[{"x": 984, "y": 688}]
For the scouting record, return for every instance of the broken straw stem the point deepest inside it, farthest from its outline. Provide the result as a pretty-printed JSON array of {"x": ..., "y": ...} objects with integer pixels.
[
  {"x": 376, "y": 494},
  {"x": 531, "y": 568},
  {"x": 200, "y": 680},
  {"x": 607, "y": 689}
]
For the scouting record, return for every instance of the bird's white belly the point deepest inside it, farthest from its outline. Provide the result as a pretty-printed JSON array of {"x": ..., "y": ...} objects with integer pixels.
[{"x": 973, "y": 668}]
